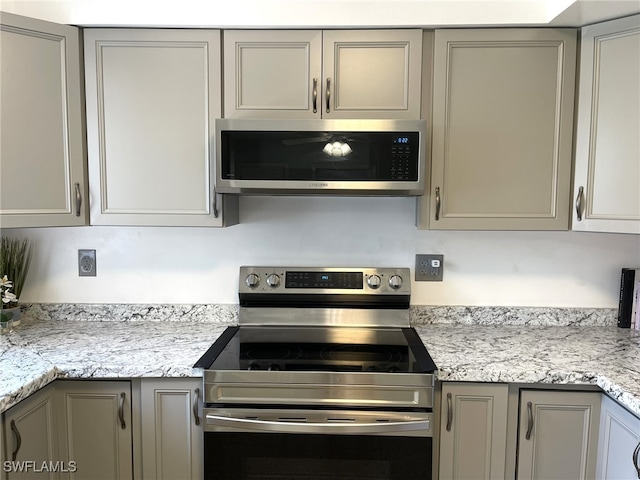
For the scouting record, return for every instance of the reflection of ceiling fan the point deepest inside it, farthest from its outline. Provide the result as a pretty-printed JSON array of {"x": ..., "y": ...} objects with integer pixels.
[
  {"x": 299, "y": 141},
  {"x": 333, "y": 146}
]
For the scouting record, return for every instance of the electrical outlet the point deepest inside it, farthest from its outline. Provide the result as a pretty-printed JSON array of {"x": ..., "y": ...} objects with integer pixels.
[
  {"x": 429, "y": 268},
  {"x": 87, "y": 263}
]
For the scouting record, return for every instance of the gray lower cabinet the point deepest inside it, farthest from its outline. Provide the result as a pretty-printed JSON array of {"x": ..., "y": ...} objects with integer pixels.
[
  {"x": 619, "y": 446},
  {"x": 172, "y": 435},
  {"x": 473, "y": 431},
  {"x": 502, "y": 129},
  {"x": 95, "y": 428},
  {"x": 558, "y": 434},
  {"x": 42, "y": 156},
  {"x": 30, "y": 438}
]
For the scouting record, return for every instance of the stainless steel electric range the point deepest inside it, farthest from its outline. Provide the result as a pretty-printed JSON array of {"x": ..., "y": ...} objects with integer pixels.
[{"x": 322, "y": 378}]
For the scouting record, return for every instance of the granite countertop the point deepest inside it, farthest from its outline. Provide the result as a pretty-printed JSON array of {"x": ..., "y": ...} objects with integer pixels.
[{"x": 42, "y": 349}]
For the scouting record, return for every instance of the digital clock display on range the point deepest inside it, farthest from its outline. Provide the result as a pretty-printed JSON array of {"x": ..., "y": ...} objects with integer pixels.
[
  {"x": 324, "y": 280},
  {"x": 401, "y": 140}
]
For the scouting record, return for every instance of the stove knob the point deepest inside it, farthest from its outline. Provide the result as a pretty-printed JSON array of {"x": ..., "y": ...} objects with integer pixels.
[
  {"x": 395, "y": 281},
  {"x": 274, "y": 367},
  {"x": 374, "y": 281},
  {"x": 252, "y": 280},
  {"x": 273, "y": 280},
  {"x": 253, "y": 366}
]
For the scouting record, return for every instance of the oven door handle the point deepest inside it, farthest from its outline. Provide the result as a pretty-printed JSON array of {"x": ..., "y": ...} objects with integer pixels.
[{"x": 322, "y": 428}]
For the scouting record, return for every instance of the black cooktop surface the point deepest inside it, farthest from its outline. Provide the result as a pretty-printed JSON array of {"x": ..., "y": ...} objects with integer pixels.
[{"x": 338, "y": 349}]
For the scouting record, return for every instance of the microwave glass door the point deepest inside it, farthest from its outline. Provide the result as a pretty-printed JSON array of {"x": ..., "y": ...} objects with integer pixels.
[{"x": 320, "y": 156}]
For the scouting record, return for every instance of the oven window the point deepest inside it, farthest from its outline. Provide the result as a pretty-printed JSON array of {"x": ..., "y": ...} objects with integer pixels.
[{"x": 262, "y": 456}]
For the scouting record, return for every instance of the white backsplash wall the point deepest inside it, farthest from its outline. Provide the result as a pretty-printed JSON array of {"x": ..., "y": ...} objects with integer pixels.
[{"x": 200, "y": 265}]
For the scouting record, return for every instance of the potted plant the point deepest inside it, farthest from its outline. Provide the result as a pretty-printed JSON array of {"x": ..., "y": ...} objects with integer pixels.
[{"x": 15, "y": 258}]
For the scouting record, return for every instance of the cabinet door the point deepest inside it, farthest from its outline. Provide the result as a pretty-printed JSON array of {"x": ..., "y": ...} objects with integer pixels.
[
  {"x": 272, "y": 74},
  {"x": 607, "y": 166},
  {"x": 558, "y": 435},
  {"x": 502, "y": 129},
  {"x": 371, "y": 73},
  {"x": 152, "y": 97},
  {"x": 94, "y": 428},
  {"x": 619, "y": 443},
  {"x": 42, "y": 166},
  {"x": 29, "y": 430},
  {"x": 473, "y": 436},
  {"x": 172, "y": 435}
]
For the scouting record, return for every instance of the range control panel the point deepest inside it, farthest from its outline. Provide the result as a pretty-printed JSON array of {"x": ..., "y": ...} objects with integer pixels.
[{"x": 320, "y": 280}]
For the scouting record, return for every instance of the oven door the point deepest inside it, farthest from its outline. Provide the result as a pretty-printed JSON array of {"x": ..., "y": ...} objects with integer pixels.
[{"x": 260, "y": 444}]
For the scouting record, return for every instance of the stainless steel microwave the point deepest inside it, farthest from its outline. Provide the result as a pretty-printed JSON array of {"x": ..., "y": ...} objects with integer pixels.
[{"x": 339, "y": 157}]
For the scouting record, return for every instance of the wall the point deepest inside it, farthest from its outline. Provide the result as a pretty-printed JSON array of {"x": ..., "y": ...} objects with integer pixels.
[{"x": 200, "y": 265}]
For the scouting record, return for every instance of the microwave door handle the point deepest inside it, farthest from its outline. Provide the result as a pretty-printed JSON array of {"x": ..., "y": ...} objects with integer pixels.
[{"x": 310, "y": 427}]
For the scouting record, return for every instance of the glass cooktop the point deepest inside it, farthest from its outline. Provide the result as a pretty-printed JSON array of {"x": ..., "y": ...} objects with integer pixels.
[{"x": 337, "y": 349}]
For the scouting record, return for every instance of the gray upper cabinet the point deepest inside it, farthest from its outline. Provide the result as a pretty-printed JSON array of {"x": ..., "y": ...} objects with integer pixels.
[
  {"x": 322, "y": 74},
  {"x": 42, "y": 166},
  {"x": 607, "y": 165},
  {"x": 152, "y": 97},
  {"x": 502, "y": 129}
]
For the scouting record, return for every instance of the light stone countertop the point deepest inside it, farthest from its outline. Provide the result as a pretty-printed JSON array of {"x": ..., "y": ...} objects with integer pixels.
[{"x": 166, "y": 342}]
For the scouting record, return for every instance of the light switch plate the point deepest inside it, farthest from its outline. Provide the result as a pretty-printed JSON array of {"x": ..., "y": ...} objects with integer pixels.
[
  {"x": 429, "y": 268},
  {"x": 87, "y": 263}
]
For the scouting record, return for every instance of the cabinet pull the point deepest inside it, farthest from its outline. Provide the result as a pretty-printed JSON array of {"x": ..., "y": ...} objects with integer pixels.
[
  {"x": 123, "y": 425},
  {"x": 214, "y": 203},
  {"x": 438, "y": 203},
  {"x": 315, "y": 95},
  {"x": 529, "y": 420},
  {"x": 636, "y": 452},
  {"x": 78, "y": 199},
  {"x": 579, "y": 203},
  {"x": 449, "y": 412},
  {"x": 196, "y": 417},
  {"x": 328, "y": 94},
  {"x": 15, "y": 431}
]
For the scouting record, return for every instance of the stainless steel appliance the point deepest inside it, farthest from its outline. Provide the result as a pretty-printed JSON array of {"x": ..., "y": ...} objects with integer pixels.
[
  {"x": 355, "y": 157},
  {"x": 322, "y": 378}
]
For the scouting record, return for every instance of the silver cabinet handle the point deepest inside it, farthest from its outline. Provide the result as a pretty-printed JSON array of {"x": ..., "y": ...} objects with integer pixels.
[
  {"x": 438, "y": 203},
  {"x": 328, "y": 94},
  {"x": 14, "y": 429},
  {"x": 315, "y": 95},
  {"x": 312, "y": 427},
  {"x": 123, "y": 425},
  {"x": 579, "y": 203},
  {"x": 529, "y": 420},
  {"x": 449, "y": 411},
  {"x": 214, "y": 203},
  {"x": 78, "y": 199},
  {"x": 196, "y": 417},
  {"x": 636, "y": 452}
]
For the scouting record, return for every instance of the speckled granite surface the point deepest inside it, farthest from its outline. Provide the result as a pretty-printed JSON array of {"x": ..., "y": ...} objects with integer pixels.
[{"x": 165, "y": 341}]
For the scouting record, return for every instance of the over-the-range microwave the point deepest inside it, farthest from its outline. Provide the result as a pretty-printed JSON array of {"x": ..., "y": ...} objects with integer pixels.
[{"x": 339, "y": 157}]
